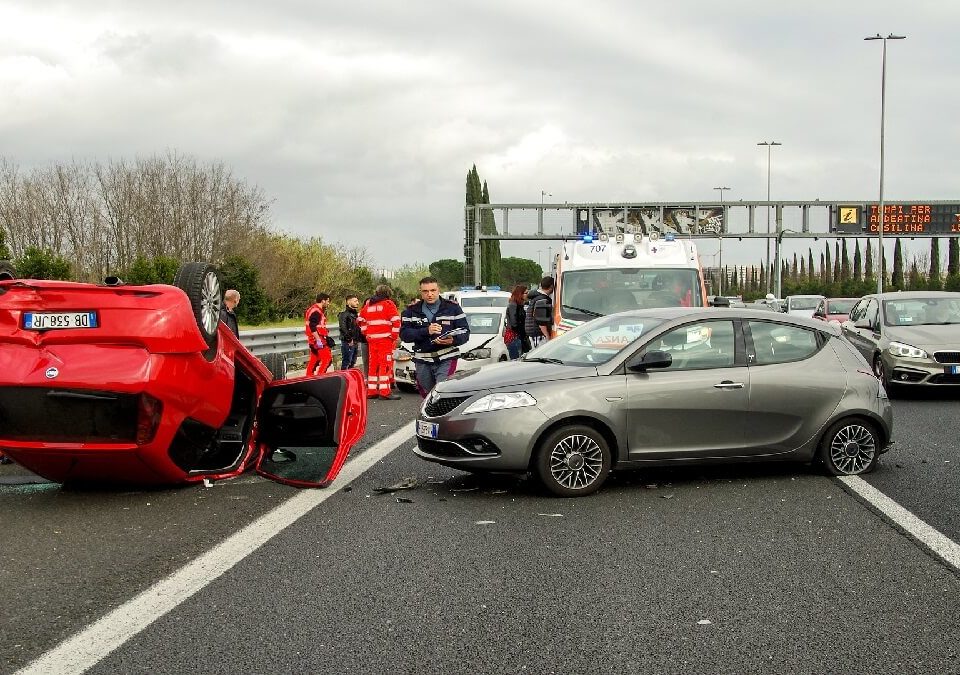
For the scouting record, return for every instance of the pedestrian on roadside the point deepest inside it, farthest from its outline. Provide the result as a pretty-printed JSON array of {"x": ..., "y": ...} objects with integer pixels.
[
  {"x": 230, "y": 301},
  {"x": 436, "y": 327},
  {"x": 379, "y": 322},
  {"x": 349, "y": 332},
  {"x": 318, "y": 337},
  {"x": 539, "y": 319},
  {"x": 514, "y": 332}
]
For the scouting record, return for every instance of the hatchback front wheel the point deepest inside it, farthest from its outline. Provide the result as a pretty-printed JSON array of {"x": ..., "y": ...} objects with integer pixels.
[{"x": 574, "y": 461}]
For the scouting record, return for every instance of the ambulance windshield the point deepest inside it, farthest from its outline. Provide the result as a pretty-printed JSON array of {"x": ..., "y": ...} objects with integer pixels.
[{"x": 585, "y": 294}]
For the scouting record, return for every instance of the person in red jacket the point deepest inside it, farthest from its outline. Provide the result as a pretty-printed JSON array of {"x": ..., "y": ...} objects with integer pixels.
[
  {"x": 315, "y": 326},
  {"x": 379, "y": 323}
]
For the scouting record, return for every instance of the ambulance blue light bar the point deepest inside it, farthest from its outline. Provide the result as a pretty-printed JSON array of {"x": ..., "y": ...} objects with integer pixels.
[
  {"x": 587, "y": 239},
  {"x": 669, "y": 236}
]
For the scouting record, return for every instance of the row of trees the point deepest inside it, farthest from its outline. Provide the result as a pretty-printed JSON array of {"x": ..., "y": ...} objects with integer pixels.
[
  {"x": 140, "y": 220},
  {"x": 836, "y": 274},
  {"x": 513, "y": 271}
]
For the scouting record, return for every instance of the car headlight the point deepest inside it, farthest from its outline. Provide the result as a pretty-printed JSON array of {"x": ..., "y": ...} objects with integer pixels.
[
  {"x": 512, "y": 399},
  {"x": 901, "y": 349},
  {"x": 478, "y": 354}
]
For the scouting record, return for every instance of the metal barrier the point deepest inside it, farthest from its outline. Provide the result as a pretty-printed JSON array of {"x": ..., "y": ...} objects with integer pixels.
[{"x": 289, "y": 341}]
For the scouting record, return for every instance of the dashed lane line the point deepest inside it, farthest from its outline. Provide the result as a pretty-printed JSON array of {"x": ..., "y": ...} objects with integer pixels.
[
  {"x": 936, "y": 541},
  {"x": 92, "y": 644}
]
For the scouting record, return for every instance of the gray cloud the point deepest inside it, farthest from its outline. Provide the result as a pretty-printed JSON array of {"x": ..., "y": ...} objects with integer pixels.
[{"x": 361, "y": 120}]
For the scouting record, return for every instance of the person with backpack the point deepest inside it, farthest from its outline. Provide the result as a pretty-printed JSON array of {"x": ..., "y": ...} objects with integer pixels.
[{"x": 539, "y": 319}]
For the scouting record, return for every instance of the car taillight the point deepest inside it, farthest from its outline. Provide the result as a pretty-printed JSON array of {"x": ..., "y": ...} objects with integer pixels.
[{"x": 149, "y": 411}]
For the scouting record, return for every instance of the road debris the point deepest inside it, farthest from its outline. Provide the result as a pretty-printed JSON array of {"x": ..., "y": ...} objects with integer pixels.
[
  {"x": 404, "y": 500},
  {"x": 485, "y": 522},
  {"x": 405, "y": 484},
  {"x": 704, "y": 622},
  {"x": 551, "y": 515}
]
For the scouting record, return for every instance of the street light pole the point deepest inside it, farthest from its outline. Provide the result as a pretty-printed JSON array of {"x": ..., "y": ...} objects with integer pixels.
[
  {"x": 723, "y": 222},
  {"x": 883, "y": 97},
  {"x": 769, "y": 145},
  {"x": 544, "y": 193}
]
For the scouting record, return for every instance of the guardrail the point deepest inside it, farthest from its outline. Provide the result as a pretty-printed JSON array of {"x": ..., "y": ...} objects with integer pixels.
[{"x": 289, "y": 341}]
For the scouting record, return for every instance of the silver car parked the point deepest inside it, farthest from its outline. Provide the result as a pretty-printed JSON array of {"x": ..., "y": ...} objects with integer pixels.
[{"x": 663, "y": 386}]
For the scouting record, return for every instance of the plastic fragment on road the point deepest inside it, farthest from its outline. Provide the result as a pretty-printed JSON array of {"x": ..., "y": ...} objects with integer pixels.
[
  {"x": 405, "y": 484},
  {"x": 404, "y": 500},
  {"x": 551, "y": 515},
  {"x": 207, "y": 482},
  {"x": 466, "y": 489},
  {"x": 704, "y": 622},
  {"x": 485, "y": 522}
]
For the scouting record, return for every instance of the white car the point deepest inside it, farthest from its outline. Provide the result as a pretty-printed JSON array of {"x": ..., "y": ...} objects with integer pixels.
[
  {"x": 475, "y": 298},
  {"x": 484, "y": 346},
  {"x": 802, "y": 305}
]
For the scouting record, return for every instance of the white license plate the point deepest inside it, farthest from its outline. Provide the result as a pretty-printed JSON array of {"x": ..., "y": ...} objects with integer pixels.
[
  {"x": 52, "y": 320},
  {"x": 427, "y": 429}
]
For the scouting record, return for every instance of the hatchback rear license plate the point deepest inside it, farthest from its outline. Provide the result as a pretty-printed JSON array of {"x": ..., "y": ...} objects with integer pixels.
[
  {"x": 427, "y": 429},
  {"x": 52, "y": 320}
]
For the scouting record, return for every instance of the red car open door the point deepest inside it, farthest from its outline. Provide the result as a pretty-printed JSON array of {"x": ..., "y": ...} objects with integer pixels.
[{"x": 306, "y": 427}]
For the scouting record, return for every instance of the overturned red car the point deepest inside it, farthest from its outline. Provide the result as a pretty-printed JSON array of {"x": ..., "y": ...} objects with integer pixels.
[{"x": 144, "y": 384}]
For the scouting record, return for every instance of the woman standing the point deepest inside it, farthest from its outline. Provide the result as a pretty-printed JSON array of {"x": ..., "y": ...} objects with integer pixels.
[{"x": 513, "y": 333}]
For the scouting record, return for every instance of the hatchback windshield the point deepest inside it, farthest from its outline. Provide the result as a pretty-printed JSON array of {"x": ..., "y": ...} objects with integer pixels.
[
  {"x": 484, "y": 323},
  {"x": 585, "y": 294},
  {"x": 596, "y": 342}
]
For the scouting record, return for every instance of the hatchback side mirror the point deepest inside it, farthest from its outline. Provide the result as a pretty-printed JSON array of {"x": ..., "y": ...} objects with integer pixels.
[
  {"x": 652, "y": 359},
  {"x": 862, "y": 323}
]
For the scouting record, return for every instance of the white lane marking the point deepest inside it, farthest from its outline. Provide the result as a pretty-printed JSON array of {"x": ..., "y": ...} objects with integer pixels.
[
  {"x": 94, "y": 643},
  {"x": 933, "y": 539}
]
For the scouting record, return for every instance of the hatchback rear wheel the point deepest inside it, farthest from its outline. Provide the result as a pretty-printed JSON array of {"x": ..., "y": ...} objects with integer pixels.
[
  {"x": 573, "y": 461},
  {"x": 850, "y": 447}
]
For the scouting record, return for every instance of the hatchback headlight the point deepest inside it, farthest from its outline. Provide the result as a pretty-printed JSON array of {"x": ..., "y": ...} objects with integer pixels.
[
  {"x": 478, "y": 354},
  {"x": 490, "y": 402},
  {"x": 909, "y": 351}
]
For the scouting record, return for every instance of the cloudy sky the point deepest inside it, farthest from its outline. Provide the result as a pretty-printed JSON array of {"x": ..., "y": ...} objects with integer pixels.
[{"x": 361, "y": 119}]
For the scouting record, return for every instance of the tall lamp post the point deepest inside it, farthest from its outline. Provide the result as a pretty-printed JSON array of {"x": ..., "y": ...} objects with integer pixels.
[
  {"x": 769, "y": 145},
  {"x": 883, "y": 97},
  {"x": 723, "y": 223},
  {"x": 544, "y": 193}
]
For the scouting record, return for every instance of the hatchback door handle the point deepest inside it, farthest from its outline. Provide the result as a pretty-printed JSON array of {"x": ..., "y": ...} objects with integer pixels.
[{"x": 727, "y": 384}]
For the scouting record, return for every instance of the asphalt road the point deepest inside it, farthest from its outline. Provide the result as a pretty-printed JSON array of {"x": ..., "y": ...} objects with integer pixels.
[{"x": 746, "y": 569}]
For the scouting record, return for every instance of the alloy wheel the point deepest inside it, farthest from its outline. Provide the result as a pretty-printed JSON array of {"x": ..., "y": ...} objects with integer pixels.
[
  {"x": 576, "y": 461},
  {"x": 853, "y": 449},
  {"x": 210, "y": 302}
]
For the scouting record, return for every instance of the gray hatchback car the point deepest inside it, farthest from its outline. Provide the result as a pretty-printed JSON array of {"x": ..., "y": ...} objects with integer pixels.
[{"x": 663, "y": 386}]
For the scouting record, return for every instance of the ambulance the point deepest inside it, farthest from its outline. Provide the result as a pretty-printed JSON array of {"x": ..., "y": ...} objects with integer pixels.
[{"x": 603, "y": 274}]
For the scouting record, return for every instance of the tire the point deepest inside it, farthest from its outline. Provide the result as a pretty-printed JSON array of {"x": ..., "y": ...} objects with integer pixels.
[
  {"x": 276, "y": 363},
  {"x": 573, "y": 461},
  {"x": 201, "y": 283},
  {"x": 880, "y": 371},
  {"x": 7, "y": 271},
  {"x": 850, "y": 447}
]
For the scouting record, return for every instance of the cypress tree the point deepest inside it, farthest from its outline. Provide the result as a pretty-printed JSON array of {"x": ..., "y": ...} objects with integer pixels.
[
  {"x": 868, "y": 262},
  {"x": 953, "y": 256},
  {"x": 823, "y": 270},
  {"x": 803, "y": 270},
  {"x": 934, "y": 281},
  {"x": 836, "y": 263},
  {"x": 794, "y": 270},
  {"x": 828, "y": 268},
  {"x": 897, "y": 281},
  {"x": 857, "y": 266},
  {"x": 810, "y": 270},
  {"x": 490, "y": 270},
  {"x": 844, "y": 262}
]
